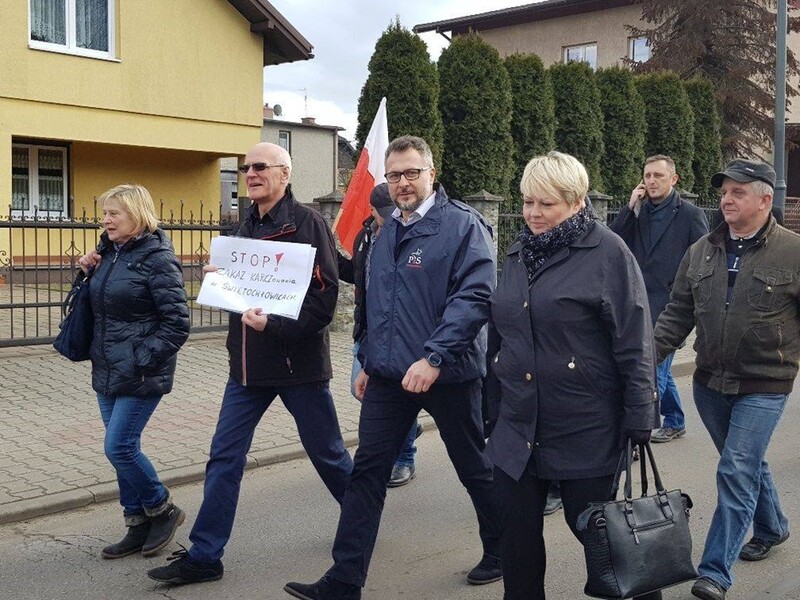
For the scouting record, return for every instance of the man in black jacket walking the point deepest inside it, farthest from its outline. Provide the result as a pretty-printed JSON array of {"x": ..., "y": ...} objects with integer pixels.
[
  {"x": 658, "y": 227},
  {"x": 270, "y": 356}
]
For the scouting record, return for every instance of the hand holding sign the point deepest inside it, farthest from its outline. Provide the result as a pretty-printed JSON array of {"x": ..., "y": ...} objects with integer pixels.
[{"x": 272, "y": 276}]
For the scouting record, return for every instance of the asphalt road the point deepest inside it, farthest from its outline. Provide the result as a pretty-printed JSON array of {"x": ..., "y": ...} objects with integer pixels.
[{"x": 428, "y": 539}]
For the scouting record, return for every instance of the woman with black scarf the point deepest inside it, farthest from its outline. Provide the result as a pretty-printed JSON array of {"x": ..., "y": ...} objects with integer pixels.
[{"x": 571, "y": 346}]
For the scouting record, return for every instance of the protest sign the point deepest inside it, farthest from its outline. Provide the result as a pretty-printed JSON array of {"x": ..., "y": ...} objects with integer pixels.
[{"x": 272, "y": 276}]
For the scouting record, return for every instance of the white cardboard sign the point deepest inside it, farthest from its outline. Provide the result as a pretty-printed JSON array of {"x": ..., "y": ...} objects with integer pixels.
[{"x": 272, "y": 276}]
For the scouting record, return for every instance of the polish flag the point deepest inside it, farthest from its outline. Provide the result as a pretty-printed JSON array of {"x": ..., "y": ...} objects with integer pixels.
[{"x": 368, "y": 174}]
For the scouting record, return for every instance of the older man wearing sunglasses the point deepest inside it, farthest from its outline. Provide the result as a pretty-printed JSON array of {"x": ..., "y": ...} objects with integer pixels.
[{"x": 270, "y": 356}]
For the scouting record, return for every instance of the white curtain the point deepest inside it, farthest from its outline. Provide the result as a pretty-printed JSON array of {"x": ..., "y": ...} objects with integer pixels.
[
  {"x": 91, "y": 24},
  {"x": 49, "y": 21},
  {"x": 51, "y": 180},
  {"x": 20, "y": 183}
]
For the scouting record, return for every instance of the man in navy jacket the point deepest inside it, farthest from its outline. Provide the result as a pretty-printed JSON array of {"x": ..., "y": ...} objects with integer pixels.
[
  {"x": 432, "y": 272},
  {"x": 659, "y": 227}
]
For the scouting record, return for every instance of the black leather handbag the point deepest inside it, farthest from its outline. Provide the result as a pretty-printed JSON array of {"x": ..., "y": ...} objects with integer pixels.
[
  {"x": 77, "y": 327},
  {"x": 635, "y": 546}
]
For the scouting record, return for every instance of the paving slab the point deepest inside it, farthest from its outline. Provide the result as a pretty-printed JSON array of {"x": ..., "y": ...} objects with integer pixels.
[{"x": 51, "y": 435}]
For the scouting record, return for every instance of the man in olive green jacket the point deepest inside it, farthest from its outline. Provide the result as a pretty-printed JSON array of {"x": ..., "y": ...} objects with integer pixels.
[{"x": 739, "y": 286}]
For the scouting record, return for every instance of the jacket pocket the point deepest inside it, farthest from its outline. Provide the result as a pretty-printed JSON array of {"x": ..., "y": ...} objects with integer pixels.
[
  {"x": 593, "y": 378},
  {"x": 700, "y": 281},
  {"x": 767, "y": 287}
]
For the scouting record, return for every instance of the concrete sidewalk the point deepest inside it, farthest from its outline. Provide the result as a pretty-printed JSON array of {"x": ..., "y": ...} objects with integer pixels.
[{"x": 51, "y": 435}]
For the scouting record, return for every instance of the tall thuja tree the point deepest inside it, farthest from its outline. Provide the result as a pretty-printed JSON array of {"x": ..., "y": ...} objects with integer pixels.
[
  {"x": 670, "y": 121},
  {"x": 475, "y": 103},
  {"x": 533, "y": 119},
  {"x": 579, "y": 120},
  {"x": 401, "y": 70},
  {"x": 732, "y": 44},
  {"x": 707, "y": 140},
  {"x": 623, "y": 132}
]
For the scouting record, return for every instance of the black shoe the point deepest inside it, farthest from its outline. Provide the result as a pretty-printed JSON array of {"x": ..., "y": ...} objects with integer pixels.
[
  {"x": 553, "y": 504},
  {"x": 708, "y": 589},
  {"x": 162, "y": 529},
  {"x": 182, "y": 570},
  {"x": 326, "y": 588},
  {"x": 489, "y": 570},
  {"x": 401, "y": 475},
  {"x": 130, "y": 544},
  {"x": 758, "y": 549}
]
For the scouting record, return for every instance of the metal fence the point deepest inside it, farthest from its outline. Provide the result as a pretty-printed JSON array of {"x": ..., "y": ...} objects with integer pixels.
[
  {"x": 38, "y": 263},
  {"x": 509, "y": 225}
]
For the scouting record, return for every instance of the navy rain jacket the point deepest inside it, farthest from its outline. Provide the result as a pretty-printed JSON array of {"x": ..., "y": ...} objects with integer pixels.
[{"x": 433, "y": 297}]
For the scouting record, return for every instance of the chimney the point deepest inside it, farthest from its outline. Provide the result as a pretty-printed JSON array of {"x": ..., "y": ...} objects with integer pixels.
[
  {"x": 268, "y": 112},
  {"x": 308, "y": 120}
]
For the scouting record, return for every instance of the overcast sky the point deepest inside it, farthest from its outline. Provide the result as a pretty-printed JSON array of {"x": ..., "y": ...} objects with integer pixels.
[{"x": 343, "y": 35}]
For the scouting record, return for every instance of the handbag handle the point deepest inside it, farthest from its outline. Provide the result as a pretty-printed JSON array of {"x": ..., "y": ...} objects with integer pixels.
[
  {"x": 81, "y": 280},
  {"x": 625, "y": 462}
]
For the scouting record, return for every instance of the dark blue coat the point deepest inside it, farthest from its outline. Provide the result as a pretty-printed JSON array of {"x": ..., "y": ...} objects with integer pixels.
[
  {"x": 574, "y": 356},
  {"x": 141, "y": 317},
  {"x": 686, "y": 225},
  {"x": 431, "y": 295}
]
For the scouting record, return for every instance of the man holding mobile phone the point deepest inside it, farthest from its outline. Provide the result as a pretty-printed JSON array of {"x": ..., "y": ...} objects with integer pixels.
[{"x": 658, "y": 227}]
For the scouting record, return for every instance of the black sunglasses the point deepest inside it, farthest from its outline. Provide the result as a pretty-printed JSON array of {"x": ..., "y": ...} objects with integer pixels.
[{"x": 257, "y": 167}]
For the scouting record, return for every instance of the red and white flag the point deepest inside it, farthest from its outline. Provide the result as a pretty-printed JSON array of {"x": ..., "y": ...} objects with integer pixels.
[{"x": 368, "y": 174}]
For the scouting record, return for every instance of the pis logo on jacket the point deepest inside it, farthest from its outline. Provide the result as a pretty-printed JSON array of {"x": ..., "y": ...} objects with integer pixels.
[{"x": 415, "y": 259}]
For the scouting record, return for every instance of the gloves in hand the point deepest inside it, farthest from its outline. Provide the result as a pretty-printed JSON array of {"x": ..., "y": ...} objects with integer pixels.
[{"x": 636, "y": 436}]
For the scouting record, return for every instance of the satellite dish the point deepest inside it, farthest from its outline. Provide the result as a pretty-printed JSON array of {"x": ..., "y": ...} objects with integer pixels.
[{"x": 278, "y": 110}]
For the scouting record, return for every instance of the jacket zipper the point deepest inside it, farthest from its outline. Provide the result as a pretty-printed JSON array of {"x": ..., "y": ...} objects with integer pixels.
[
  {"x": 103, "y": 320},
  {"x": 244, "y": 355},
  {"x": 284, "y": 230}
]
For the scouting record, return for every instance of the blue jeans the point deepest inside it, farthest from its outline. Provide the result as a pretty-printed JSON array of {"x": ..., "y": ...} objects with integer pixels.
[
  {"x": 670, "y": 401},
  {"x": 141, "y": 493},
  {"x": 409, "y": 450},
  {"x": 741, "y": 427},
  {"x": 313, "y": 410}
]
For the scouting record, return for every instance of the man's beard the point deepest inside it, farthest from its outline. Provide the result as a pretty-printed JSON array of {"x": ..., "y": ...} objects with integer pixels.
[{"x": 412, "y": 205}]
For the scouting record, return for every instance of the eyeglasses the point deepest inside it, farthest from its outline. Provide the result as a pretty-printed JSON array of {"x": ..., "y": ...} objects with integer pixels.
[
  {"x": 409, "y": 174},
  {"x": 257, "y": 167}
]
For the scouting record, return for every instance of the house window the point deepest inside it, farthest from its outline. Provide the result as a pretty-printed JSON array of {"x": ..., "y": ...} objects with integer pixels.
[
  {"x": 639, "y": 49},
  {"x": 38, "y": 179},
  {"x": 83, "y": 27},
  {"x": 584, "y": 53},
  {"x": 285, "y": 140}
]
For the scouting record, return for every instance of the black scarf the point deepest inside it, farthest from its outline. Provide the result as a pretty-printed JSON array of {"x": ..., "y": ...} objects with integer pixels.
[{"x": 538, "y": 248}]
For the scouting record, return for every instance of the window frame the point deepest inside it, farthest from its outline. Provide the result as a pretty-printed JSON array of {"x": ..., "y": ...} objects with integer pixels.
[
  {"x": 631, "y": 42},
  {"x": 288, "y": 146},
  {"x": 33, "y": 180},
  {"x": 71, "y": 47},
  {"x": 582, "y": 47}
]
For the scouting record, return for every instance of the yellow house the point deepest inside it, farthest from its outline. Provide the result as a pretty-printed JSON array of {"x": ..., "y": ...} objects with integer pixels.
[{"x": 99, "y": 92}]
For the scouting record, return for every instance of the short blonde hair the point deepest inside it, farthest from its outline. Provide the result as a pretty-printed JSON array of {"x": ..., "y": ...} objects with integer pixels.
[
  {"x": 557, "y": 176},
  {"x": 137, "y": 202}
]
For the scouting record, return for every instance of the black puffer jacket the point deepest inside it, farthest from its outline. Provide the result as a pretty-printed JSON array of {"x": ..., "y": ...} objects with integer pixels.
[{"x": 141, "y": 317}]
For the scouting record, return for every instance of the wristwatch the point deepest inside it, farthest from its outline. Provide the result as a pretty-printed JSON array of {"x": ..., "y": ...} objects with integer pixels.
[{"x": 434, "y": 359}]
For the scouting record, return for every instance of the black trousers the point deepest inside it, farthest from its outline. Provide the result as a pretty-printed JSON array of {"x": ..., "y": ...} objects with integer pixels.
[
  {"x": 522, "y": 546},
  {"x": 387, "y": 413}
]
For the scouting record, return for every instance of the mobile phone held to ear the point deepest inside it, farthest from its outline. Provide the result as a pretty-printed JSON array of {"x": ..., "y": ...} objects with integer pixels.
[{"x": 644, "y": 196}]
